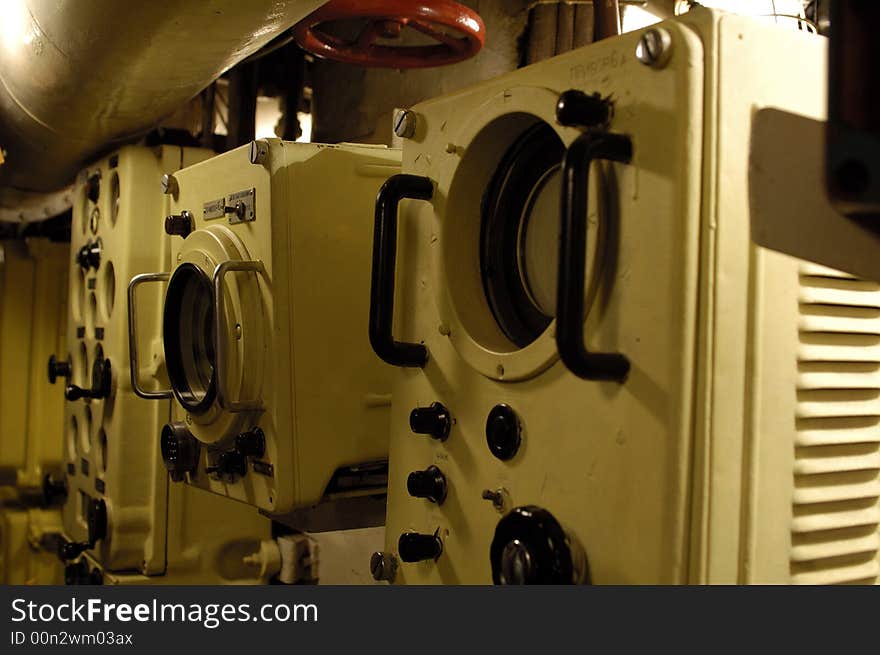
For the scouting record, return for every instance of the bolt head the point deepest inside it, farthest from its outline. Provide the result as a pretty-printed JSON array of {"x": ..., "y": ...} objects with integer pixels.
[
  {"x": 654, "y": 48},
  {"x": 405, "y": 123},
  {"x": 259, "y": 152},
  {"x": 169, "y": 185},
  {"x": 383, "y": 566}
]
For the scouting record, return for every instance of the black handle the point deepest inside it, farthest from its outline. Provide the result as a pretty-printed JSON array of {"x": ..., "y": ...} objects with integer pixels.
[
  {"x": 395, "y": 189},
  {"x": 572, "y": 256}
]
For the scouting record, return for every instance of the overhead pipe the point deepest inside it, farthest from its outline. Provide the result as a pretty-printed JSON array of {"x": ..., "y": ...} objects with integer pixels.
[{"x": 78, "y": 77}]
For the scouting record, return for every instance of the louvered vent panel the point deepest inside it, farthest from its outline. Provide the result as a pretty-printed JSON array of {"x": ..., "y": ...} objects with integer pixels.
[{"x": 836, "y": 498}]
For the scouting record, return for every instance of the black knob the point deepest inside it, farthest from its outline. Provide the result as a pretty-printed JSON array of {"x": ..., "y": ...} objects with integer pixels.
[
  {"x": 93, "y": 186},
  {"x": 102, "y": 378},
  {"x": 96, "y": 520},
  {"x": 96, "y": 578},
  {"x": 54, "y": 491},
  {"x": 229, "y": 465},
  {"x": 180, "y": 450},
  {"x": 238, "y": 209},
  {"x": 79, "y": 574},
  {"x": 58, "y": 369},
  {"x": 89, "y": 256},
  {"x": 531, "y": 547},
  {"x": 430, "y": 484},
  {"x": 181, "y": 224},
  {"x": 415, "y": 547},
  {"x": 503, "y": 432},
  {"x": 68, "y": 550},
  {"x": 76, "y": 573},
  {"x": 578, "y": 109},
  {"x": 434, "y": 421},
  {"x": 251, "y": 443}
]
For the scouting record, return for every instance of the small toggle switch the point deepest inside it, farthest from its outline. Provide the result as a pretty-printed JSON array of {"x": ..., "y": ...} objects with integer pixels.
[
  {"x": 238, "y": 209},
  {"x": 96, "y": 520},
  {"x": 101, "y": 382},
  {"x": 434, "y": 421}
]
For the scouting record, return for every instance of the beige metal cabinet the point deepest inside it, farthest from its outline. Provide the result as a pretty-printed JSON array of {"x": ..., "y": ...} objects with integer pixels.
[
  {"x": 120, "y": 513},
  {"x": 278, "y": 401},
  {"x": 740, "y": 447}
]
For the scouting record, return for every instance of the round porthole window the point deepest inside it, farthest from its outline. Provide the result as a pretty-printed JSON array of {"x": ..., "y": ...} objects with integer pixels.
[
  {"x": 189, "y": 338},
  {"x": 520, "y": 235},
  {"x": 498, "y": 220}
]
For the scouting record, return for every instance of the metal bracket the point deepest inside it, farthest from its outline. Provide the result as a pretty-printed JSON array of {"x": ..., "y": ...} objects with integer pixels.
[
  {"x": 136, "y": 281},
  {"x": 242, "y": 206},
  {"x": 234, "y": 406}
]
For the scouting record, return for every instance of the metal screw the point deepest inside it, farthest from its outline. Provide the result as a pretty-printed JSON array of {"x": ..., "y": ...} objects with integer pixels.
[
  {"x": 405, "y": 123},
  {"x": 169, "y": 185},
  {"x": 383, "y": 566},
  {"x": 498, "y": 497},
  {"x": 94, "y": 217},
  {"x": 259, "y": 151},
  {"x": 654, "y": 48}
]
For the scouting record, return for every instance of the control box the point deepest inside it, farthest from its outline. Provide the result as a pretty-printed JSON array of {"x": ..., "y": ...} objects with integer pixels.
[
  {"x": 33, "y": 324},
  {"x": 278, "y": 401},
  {"x": 601, "y": 377},
  {"x": 120, "y": 516}
]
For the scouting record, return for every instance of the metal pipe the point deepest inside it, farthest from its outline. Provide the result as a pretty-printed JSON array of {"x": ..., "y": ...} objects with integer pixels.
[
  {"x": 607, "y": 18},
  {"x": 79, "y": 76}
]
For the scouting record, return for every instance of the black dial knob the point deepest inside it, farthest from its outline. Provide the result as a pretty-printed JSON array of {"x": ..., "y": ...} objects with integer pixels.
[
  {"x": 578, "y": 109},
  {"x": 415, "y": 547},
  {"x": 89, "y": 256},
  {"x": 531, "y": 547},
  {"x": 434, "y": 421},
  {"x": 503, "y": 432},
  {"x": 93, "y": 186},
  {"x": 229, "y": 465},
  {"x": 430, "y": 484},
  {"x": 58, "y": 369},
  {"x": 181, "y": 224},
  {"x": 54, "y": 491},
  {"x": 251, "y": 443},
  {"x": 102, "y": 378},
  {"x": 180, "y": 450}
]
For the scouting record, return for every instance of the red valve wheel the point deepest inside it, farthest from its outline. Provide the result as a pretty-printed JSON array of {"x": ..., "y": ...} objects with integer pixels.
[{"x": 386, "y": 19}]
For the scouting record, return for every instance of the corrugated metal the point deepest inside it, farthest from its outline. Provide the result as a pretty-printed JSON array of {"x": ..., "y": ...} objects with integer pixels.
[{"x": 837, "y": 451}]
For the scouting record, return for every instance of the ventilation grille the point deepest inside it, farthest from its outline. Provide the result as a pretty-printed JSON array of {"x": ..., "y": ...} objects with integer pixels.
[{"x": 837, "y": 449}]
